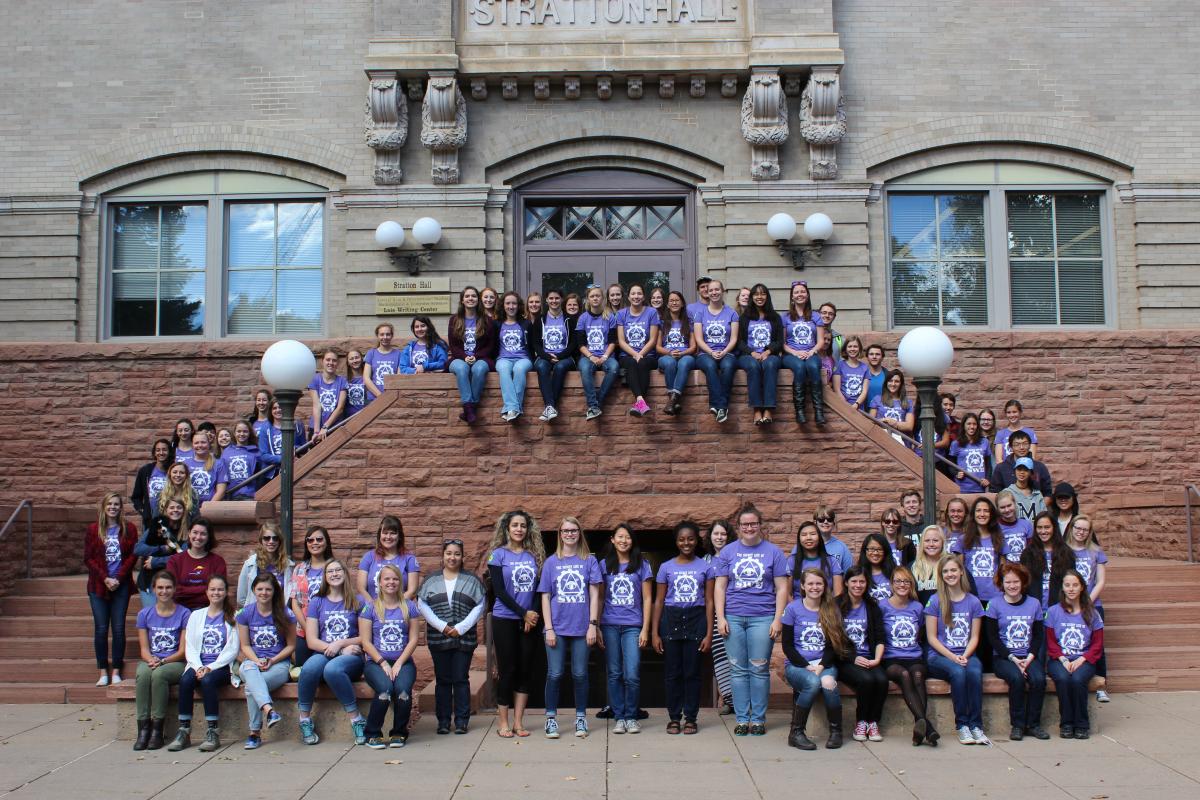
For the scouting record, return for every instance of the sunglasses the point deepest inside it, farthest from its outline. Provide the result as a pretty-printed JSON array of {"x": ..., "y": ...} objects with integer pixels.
[
  {"x": 891, "y": 522},
  {"x": 315, "y": 539},
  {"x": 273, "y": 538},
  {"x": 458, "y": 542},
  {"x": 824, "y": 519},
  {"x": 799, "y": 283}
]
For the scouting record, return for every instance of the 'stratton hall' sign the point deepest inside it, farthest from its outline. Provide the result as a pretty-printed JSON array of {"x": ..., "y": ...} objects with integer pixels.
[{"x": 489, "y": 14}]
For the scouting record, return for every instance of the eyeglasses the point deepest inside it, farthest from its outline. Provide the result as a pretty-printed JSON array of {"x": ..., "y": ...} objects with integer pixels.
[
  {"x": 901, "y": 582},
  {"x": 750, "y": 525},
  {"x": 875, "y": 550},
  {"x": 315, "y": 539},
  {"x": 568, "y": 530},
  {"x": 458, "y": 542},
  {"x": 335, "y": 571},
  {"x": 824, "y": 519}
]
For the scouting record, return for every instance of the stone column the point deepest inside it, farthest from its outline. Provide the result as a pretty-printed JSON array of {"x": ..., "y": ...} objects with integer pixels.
[
  {"x": 444, "y": 125},
  {"x": 823, "y": 121},
  {"x": 386, "y": 125},
  {"x": 764, "y": 123}
]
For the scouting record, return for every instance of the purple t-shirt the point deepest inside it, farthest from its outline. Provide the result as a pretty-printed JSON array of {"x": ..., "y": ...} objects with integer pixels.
[
  {"x": 595, "y": 332},
  {"x": 566, "y": 580},
  {"x": 266, "y": 639},
  {"x": 684, "y": 582},
  {"x": 1003, "y": 435},
  {"x": 856, "y": 624},
  {"x": 204, "y": 481},
  {"x": 390, "y": 634},
  {"x": 834, "y": 568},
  {"x": 327, "y": 395},
  {"x": 418, "y": 354},
  {"x": 971, "y": 459},
  {"x": 1016, "y": 536},
  {"x": 962, "y": 614},
  {"x": 512, "y": 341},
  {"x": 554, "y": 334},
  {"x": 240, "y": 464},
  {"x": 469, "y": 335},
  {"x": 880, "y": 588},
  {"x": 902, "y": 629},
  {"x": 716, "y": 329},
  {"x": 637, "y": 328},
  {"x": 1087, "y": 563},
  {"x": 382, "y": 365},
  {"x": 357, "y": 395},
  {"x": 112, "y": 550},
  {"x": 758, "y": 334},
  {"x": 212, "y": 640},
  {"x": 1015, "y": 622},
  {"x": 316, "y": 576},
  {"x": 520, "y": 578},
  {"x": 853, "y": 379},
  {"x": 982, "y": 563},
  {"x": 673, "y": 338},
  {"x": 1072, "y": 631},
  {"x": 372, "y": 563},
  {"x": 693, "y": 311},
  {"x": 334, "y": 620},
  {"x": 623, "y": 594},
  {"x": 154, "y": 486},
  {"x": 162, "y": 632},
  {"x": 808, "y": 636},
  {"x": 751, "y": 572},
  {"x": 893, "y": 411},
  {"x": 801, "y": 334}
]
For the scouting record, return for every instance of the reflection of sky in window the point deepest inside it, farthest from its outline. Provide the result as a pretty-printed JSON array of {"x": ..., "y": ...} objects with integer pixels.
[{"x": 268, "y": 234}]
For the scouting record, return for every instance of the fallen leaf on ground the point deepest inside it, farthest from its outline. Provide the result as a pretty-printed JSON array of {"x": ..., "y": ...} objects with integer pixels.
[
  {"x": 394, "y": 761},
  {"x": 570, "y": 778}
]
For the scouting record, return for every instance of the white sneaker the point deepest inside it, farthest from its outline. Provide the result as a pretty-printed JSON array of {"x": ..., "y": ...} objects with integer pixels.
[
  {"x": 979, "y": 736},
  {"x": 632, "y": 726},
  {"x": 965, "y": 736},
  {"x": 581, "y": 728},
  {"x": 551, "y": 728},
  {"x": 1102, "y": 696},
  {"x": 103, "y": 681},
  {"x": 548, "y": 414},
  {"x": 116, "y": 678},
  {"x": 619, "y": 726}
]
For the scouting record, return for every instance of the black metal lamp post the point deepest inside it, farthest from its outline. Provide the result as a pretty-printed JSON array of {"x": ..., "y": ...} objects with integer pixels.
[
  {"x": 926, "y": 353},
  {"x": 288, "y": 366}
]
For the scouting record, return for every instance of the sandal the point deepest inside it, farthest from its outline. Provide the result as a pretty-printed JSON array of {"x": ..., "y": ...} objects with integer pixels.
[
  {"x": 673, "y": 727},
  {"x": 504, "y": 733},
  {"x": 521, "y": 732},
  {"x": 690, "y": 727}
]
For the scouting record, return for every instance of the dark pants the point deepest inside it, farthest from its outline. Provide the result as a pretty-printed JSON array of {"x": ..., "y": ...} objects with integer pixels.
[
  {"x": 682, "y": 667},
  {"x": 1072, "y": 690},
  {"x": 109, "y": 613},
  {"x": 452, "y": 690},
  {"x": 551, "y": 378},
  {"x": 302, "y": 652},
  {"x": 637, "y": 373},
  {"x": 516, "y": 654},
  {"x": 210, "y": 690},
  {"x": 394, "y": 692},
  {"x": 1102, "y": 664},
  {"x": 870, "y": 690},
  {"x": 1025, "y": 692}
]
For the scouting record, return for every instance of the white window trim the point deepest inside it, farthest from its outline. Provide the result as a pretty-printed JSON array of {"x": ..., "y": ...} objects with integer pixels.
[
  {"x": 216, "y": 276},
  {"x": 996, "y": 250}
]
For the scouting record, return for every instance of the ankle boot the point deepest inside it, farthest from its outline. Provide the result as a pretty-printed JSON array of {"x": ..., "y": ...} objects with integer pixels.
[
  {"x": 818, "y": 400},
  {"x": 797, "y": 737},
  {"x": 835, "y": 728},
  {"x": 143, "y": 735},
  {"x": 462, "y": 415},
  {"x": 799, "y": 390},
  {"x": 156, "y": 735},
  {"x": 469, "y": 410}
]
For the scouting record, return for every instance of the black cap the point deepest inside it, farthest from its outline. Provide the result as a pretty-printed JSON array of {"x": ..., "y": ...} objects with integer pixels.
[{"x": 1064, "y": 489}]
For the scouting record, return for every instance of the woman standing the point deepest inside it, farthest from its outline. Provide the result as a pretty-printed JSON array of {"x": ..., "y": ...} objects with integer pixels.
[
  {"x": 270, "y": 441},
  {"x": 160, "y": 629},
  {"x": 193, "y": 568},
  {"x": 925, "y": 565},
  {"x": 150, "y": 480},
  {"x": 357, "y": 395},
  {"x": 270, "y": 556},
  {"x": 682, "y": 625},
  {"x": 877, "y": 563},
  {"x": 1047, "y": 559},
  {"x": 760, "y": 341},
  {"x": 513, "y": 564},
  {"x": 451, "y": 601},
  {"x": 624, "y": 623},
  {"x": 307, "y": 578},
  {"x": 987, "y": 424},
  {"x": 329, "y": 392},
  {"x": 550, "y": 336},
  {"x": 260, "y": 418},
  {"x": 1065, "y": 506},
  {"x": 597, "y": 341},
  {"x": 750, "y": 595},
  {"x": 473, "y": 339},
  {"x": 720, "y": 533},
  {"x": 983, "y": 548},
  {"x": 903, "y": 658},
  {"x": 953, "y": 620},
  {"x": 332, "y": 634},
  {"x": 973, "y": 454},
  {"x": 109, "y": 558},
  {"x": 426, "y": 352},
  {"x": 861, "y": 670},
  {"x": 676, "y": 349},
  {"x": 267, "y": 635},
  {"x": 850, "y": 376},
  {"x": 814, "y": 641},
  {"x": 570, "y": 591},
  {"x": 388, "y": 629},
  {"x": 637, "y": 332},
  {"x": 207, "y": 473},
  {"x": 242, "y": 462},
  {"x": 892, "y": 407},
  {"x": 890, "y": 525},
  {"x": 212, "y": 645},
  {"x": 181, "y": 440},
  {"x": 512, "y": 363},
  {"x": 715, "y": 328},
  {"x": 389, "y": 549},
  {"x": 382, "y": 359},
  {"x": 1074, "y": 644},
  {"x": 165, "y": 537},
  {"x": 1012, "y": 412},
  {"x": 1013, "y": 624},
  {"x": 1092, "y": 564},
  {"x": 804, "y": 332}
]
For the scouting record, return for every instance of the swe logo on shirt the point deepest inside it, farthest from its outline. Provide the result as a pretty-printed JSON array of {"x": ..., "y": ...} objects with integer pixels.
[
  {"x": 202, "y": 481},
  {"x": 982, "y": 562},
  {"x": 760, "y": 336},
  {"x": 852, "y": 385},
  {"x": 974, "y": 462},
  {"x": 958, "y": 633},
  {"x": 714, "y": 332},
  {"x": 635, "y": 334},
  {"x": 801, "y": 333},
  {"x": 1017, "y": 633},
  {"x": 569, "y": 585},
  {"x": 812, "y": 638},
  {"x": 675, "y": 340},
  {"x": 748, "y": 571},
  {"x": 903, "y": 632},
  {"x": 511, "y": 339},
  {"x": 596, "y": 340},
  {"x": 328, "y": 399},
  {"x": 553, "y": 338},
  {"x": 620, "y": 590},
  {"x": 163, "y": 640},
  {"x": 264, "y": 637},
  {"x": 391, "y": 635},
  {"x": 686, "y": 587},
  {"x": 239, "y": 467},
  {"x": 856, "y": 629},
  {"x": 337, "y": 626},
  {"x": 1073, "y": 639},
  {"x": 524, "y": 576},
  {"x": 156, "y": 485},
  {"x": 211, "y": 641},
  {"x": 357, "y": 394}
]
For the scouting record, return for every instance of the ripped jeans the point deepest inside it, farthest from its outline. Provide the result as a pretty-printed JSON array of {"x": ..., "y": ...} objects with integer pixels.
[
  {"x": 748, "y": 648},
  {"x": 396, "y": 693}
]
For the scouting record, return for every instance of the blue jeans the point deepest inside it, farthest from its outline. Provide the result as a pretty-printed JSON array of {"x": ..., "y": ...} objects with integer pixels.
[
  {"x": 587, "y": 372},
  {"x": 210, "y": 690},
  {"x": 761, "y": 378},
  {"x": 551, "y": 377},
  {"x": 471, "y": 378},
  {"x": 259, "y": 686},
  {"x": 512, "y": 372},
  {"x": 109, "y": 613},
  {"x": 340, "y": 672},
  {"x": 966, "y": 687},
  {"x": 452, "y": 687},
  {"x": 624, "y": 662},
  {"x": 675, "y": 371},
  {"x": 1026, "y": 693},
  {"x": 1072, "y": 691},
  {"x": 719, "y": 376},
  {"x": 748, "y": 648},
  {"x": 808, "y": 684},
  {"x": 804, "y": 370},
  {"x": 555, "y": 656},
  {"x": 396, "y": 693}
]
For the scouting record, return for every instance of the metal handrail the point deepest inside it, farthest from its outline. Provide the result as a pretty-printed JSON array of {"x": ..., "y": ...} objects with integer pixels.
[
  {"x": 915, "y": 444},
  {"x": 304, "y": 448},
  {"x": 1189, "y": 490},
  {"x": 28, "y": 506}
]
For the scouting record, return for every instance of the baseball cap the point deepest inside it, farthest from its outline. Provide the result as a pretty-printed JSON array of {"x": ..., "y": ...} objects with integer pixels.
[{"x": 1025, "y": 462}]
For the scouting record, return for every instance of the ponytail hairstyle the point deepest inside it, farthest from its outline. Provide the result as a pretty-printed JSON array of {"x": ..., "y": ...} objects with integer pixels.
[
  {"x": 829, "y": 616},
  {"x": 278, "y": 615},
  {"x": 380, "y": 609}
]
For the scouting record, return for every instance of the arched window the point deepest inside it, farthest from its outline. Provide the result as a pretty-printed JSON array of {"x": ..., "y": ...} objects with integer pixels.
[
  {"x": 220, "y": 253},
  {"x": 998, "y": 244}
]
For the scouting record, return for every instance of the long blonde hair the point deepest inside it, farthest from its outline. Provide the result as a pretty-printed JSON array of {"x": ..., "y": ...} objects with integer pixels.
[
  {"x": 102, "y": 517},
  {"x": 533, "y": 535},
  {"x": 380, "y": 610},
  {"x": 349, "y": 596},
  {"x": 943, "y": 593},
  {"x": 582, "y": 550},
  {"x": 184, "y": 494},
  {"x": 924, "y": 569},
  {"x": 281, "y": 555}
]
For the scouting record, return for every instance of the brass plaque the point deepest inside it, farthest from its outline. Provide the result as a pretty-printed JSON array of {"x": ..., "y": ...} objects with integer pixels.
[
  {"x": 408, "y": 304},
  {"x": 414, "y": 284}
]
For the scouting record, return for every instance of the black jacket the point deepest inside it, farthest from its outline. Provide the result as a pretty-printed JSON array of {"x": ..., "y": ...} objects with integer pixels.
[
  {"x": 776, "y": 345},
  {"x": 537, "y": 348},
  {"x": 1005, "y": 475}
]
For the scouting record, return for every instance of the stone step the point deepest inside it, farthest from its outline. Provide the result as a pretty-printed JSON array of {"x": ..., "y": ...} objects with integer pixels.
[
  {"x": 42, "y": 647},
  {"x": 1160, "y": 593},
  {"x": 1158, "y": 613},
  {"x": 1138, "y": 570},
  {"x": 48, "y": 626},
  {"x": 52, "y": 670},
  {"x": 54, "y": 692},
  {"x": 56, "y": 606},
  {"x": 58, "y": 586},
  {"x": 1151, "y": 634}
]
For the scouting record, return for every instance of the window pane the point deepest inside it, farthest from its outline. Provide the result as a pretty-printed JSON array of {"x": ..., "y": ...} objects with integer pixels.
[
  {"x": 181, "y": 303},
  {"x": 915, "y": 293},
  {"x": 251, "y": 235},
  {"x": 960, "y": 226},
  {"x": 568, "y": 282},
  {"x": 300, "y": 234},
  {"x": 1030, "y": 225},
  {"x": 1034, "y": 299},
  {"x": 275, "y": 235},
  {"x": 624, "y": 222},
  {"x": 964, "y": 293},
  {"x": 184, "y": 236},
  {"x": 147, "y": 239},
  {"x": 910, "y": 226},
  {"x": 649, "y": 281},
  {"x": 1063, "y": 284},
  {"x": 299, "y": 301},
  {"x": 1077, "y": 220},
  {"x": 135, "y": 237},
  {"x": 251, "y": 306},
  {"x": 1081, "y": 286},
  {"x": 134, "y": 296}
]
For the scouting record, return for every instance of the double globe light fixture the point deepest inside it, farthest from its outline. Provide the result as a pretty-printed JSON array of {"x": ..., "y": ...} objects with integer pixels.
[
  {"x": 426, "y": 232},
  {"x": 818, "y": 228}
]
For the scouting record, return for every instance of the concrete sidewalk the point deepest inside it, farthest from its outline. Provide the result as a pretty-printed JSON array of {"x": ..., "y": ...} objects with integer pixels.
[{"x": 1148, "y": 749}]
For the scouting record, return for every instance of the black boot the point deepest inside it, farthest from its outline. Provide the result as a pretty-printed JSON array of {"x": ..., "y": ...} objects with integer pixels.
[
  {"x": 143, "y": 736},
  {"x": 797, "y": 738},
  {"x": 818, "y": 398},
  {"x": 799, "y": 390},
  {"x": 835, "y": 728},
  {"x": 156, "y": 735}
]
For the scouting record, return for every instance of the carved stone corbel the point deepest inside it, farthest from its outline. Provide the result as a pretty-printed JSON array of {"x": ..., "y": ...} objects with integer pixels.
[
  {"x": 633, "y": 87},
  {"x": 416, "y": 89},
  {"x": 508, "y": 88},
  {"x": 823, "y": 121},
  {"x": 764, "y": 123},
  {"x": 729, "y": 86},
  {"x": 666, "y": 86},
  {"x": 478, "y": 89},
  {"x": 541, "y": 87},
  {"x": 604, "y": 87},
  {"x": 386, "y": 126},
  {"x": 571, "y": 87},
  {"x": 697, "y": 85},
  {"x": 792, "y": 85},
  {"x": 444, "y": 125}
]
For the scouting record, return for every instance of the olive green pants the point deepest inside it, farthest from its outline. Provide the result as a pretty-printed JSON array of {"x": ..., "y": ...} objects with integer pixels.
[{"x": 154, "y": 688}]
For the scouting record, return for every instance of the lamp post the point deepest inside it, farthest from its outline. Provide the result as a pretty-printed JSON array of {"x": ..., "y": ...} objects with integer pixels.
[
  {"x": 288, "y": 366},
  {"x": 926, "y": 353}
]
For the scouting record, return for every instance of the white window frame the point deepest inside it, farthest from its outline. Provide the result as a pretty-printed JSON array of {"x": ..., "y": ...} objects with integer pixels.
[
  {"x": 216, "y": 275},
  {"x": 999, "y": 282}
]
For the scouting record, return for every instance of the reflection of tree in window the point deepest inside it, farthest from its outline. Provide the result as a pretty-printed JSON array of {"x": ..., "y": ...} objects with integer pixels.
[
  {"x": 939, "y": 273},
  {"x": 158, "y": 270},
  {"x": 1055, "y": 258}
]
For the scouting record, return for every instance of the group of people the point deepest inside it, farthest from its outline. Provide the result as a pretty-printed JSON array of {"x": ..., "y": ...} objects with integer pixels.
[{"x": 983, "y": 591}]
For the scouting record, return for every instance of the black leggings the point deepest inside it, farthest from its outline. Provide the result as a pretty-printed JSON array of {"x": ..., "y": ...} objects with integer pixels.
[
  {"x": 637, "y": 373},
  {"x": 870, "y": 690},
  {"x": 516, "y": 652},
  {"x": 909, "y": 674}
]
